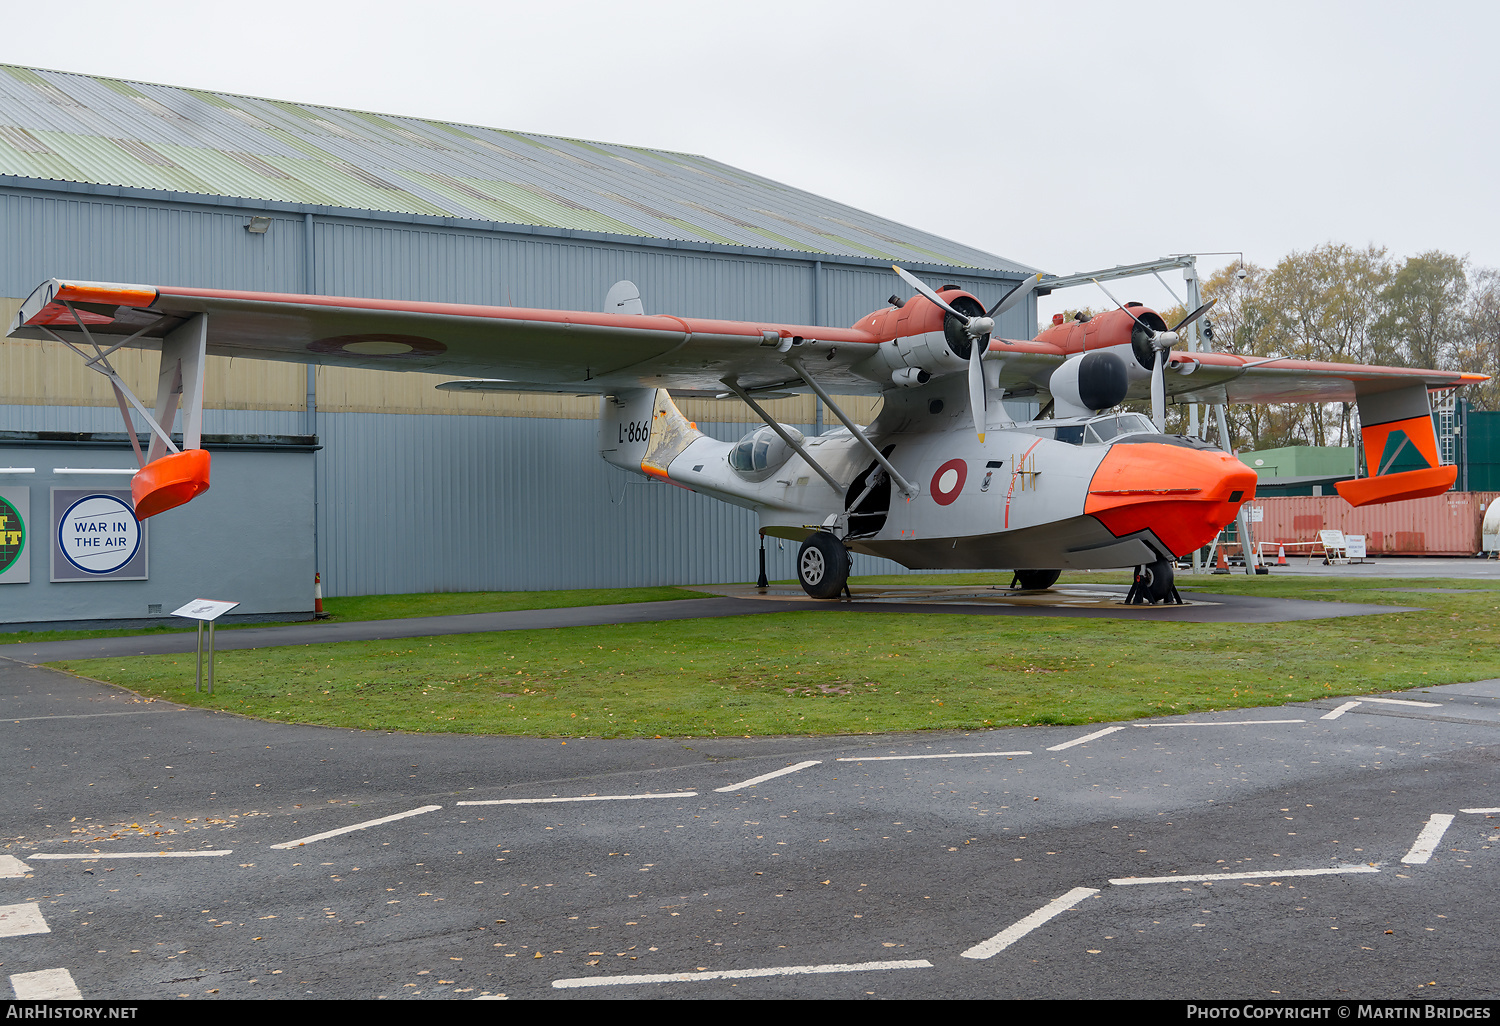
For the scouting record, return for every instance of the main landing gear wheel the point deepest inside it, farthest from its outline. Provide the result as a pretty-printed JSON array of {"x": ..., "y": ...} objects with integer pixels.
[
  {"x": 1154, "y": 583},
  {"x": 823, "y": 565},
  {"x": 1035, "y": 580}
]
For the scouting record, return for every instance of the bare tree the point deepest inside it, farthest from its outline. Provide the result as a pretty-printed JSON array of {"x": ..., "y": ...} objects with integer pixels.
[{"x": 1422, "y": 311}]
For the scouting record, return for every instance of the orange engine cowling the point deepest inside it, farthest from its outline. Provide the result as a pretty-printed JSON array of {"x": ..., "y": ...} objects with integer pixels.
[{"x": 1111, "y": 328}]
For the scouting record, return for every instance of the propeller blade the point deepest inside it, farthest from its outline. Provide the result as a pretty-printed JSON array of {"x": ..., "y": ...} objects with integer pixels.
[
  {"x": 1159, "y": 392},
  {"x": 978, "y": 399},
  {"x": 1190, "y": 318},
  {"x": 933, "y": 297},
  {"x": 1015, "y": 295},
  {"x": 1144, "y": 326}
]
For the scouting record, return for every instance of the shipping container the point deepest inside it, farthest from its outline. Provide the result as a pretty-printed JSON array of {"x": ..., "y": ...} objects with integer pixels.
[{"x": 1441, "y": 525}]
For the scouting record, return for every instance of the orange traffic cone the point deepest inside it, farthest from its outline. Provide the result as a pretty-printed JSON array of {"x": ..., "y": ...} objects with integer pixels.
[
  {"x": 1222, "y": 564},
  {"x": 317, "y": 594},
  {"x": 1281, "y": 555}
]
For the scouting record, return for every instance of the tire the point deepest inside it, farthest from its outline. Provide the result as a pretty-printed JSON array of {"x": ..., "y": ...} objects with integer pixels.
[
  {"x": 1155, "y": 580},
  {"x": 823, "y": 565},
  {"x": 1037, "y": 580}
]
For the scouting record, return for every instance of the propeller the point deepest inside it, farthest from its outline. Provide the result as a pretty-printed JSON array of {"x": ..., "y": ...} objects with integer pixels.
[
  {"x": 1160, "y": 341},
  {"x": 978, "y": 328}
]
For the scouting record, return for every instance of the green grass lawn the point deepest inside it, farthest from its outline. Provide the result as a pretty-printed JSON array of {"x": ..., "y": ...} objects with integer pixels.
[
  {"x": 844, "y": 672},
  {"x": 397, "y": 607}
]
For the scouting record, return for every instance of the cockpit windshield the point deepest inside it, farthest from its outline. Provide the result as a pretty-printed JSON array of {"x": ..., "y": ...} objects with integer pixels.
[
  {"x": 1095, "y": 431},
  {"x": 1113, "y": 425}
]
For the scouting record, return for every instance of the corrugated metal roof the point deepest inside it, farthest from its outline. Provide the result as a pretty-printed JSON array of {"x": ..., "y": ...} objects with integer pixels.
[{"x": 78, "y": 128}]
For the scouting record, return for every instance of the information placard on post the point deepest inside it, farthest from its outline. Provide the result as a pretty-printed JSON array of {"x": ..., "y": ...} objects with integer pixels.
[{"x": 205, "y": 611}]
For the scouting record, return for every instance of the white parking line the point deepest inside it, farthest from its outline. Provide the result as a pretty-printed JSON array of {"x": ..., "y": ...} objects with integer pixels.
[
  {"x": 739, "y": 974},
  {"x": 1428, "y": 839},
  {"x": 1481, "y": 812},
  {"x": 950, "y": 755},
  {"x": 1221, "y": 723},
  {"x": 584, "y": 798},
  {"x": 357, "y": 826},
  {"x": 45, "y": 985},
  {"x": 12, "y": 867},
  {"x": 1339, "y": 711},
  {"x": 768, "y": 776},
  {"x": 23, "y": 919},
  {"x": 1403, "y": 701},
  {"x": 1008, "y": 936},
  {"x": 1260, "y": 874},
  {"x": 137, "y": 855},
  {"x": 1085, "y": 739}
]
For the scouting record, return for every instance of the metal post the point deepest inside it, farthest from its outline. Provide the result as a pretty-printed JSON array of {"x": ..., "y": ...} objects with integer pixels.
[
  {"x": 1246, "y": 541},
  {"x": 198, "y": 681},
  {"x": 817, "y": 304},
  {"x": 210, "y": 657},
  {"x": 1195, "y": 343},
  {"x": 309, "y": 286},
  {"x": 1195, "y": 336}
]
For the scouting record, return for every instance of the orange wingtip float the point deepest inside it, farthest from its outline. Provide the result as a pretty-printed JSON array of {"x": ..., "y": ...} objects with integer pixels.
[
  {"x": 1411, "y": 484},
  {"x": 169, "y": 482}
]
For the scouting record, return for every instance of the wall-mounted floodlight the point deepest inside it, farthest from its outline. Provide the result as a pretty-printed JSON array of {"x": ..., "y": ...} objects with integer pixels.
[{"x": 258, "y": 225}]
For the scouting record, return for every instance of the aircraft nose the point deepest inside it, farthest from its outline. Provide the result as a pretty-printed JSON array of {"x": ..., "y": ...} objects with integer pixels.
[{"x": 1184, "y": 496}]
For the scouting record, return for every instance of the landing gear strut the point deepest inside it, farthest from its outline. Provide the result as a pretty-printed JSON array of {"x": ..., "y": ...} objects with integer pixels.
[
  {"x": 823, "y": 566},
  {"x": 1153, "y": 584}
]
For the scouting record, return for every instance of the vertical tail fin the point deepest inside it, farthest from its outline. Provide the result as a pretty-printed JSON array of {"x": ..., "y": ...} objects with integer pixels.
[{"x": 642, "y": 430}]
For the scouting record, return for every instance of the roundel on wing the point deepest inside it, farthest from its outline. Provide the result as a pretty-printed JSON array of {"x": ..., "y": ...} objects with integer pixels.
[
  {"x": 948, "y": 481},
  {"x": 399, "y": 346}
]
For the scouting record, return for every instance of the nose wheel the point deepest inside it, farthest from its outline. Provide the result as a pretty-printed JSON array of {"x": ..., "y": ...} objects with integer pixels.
[
  {"x": 823, "y": 566},
  {"x": 1154, "y": 583}
]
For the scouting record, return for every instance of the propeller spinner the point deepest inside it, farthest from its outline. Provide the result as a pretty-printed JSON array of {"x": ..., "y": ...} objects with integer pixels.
[{"x": 978, "y": 328}]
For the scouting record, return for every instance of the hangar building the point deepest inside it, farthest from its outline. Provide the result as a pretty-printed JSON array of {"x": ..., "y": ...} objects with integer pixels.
[{"x": 378, "y": 480}]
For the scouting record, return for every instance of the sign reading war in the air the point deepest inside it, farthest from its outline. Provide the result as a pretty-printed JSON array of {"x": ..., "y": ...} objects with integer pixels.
[{"x": 97, "y": 536}]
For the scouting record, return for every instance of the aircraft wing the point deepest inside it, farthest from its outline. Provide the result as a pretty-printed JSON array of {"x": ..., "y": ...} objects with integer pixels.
[
  {"x": 1221, "y": 377},
  {"x": 528, "y": 350}
]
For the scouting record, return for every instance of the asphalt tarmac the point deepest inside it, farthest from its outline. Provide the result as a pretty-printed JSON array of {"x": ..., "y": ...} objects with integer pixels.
[{"x": 1326, "y": 850}]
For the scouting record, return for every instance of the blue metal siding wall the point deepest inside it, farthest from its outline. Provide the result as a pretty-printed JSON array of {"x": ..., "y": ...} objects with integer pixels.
[
  {"x": 244, "y": 540},
  {"x": 440, "y": 503},
  {"x": 97, "y": 239},
  {"x": 49, "y": 235},
  {"x": 107, "y": 418},
  {"x": 458, "y": 266}
]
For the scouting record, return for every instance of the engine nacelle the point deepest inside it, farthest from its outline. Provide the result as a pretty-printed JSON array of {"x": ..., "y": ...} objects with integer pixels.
[
  {"x": 1089, "y": 384},
  {"x": 928, "y": 342}
]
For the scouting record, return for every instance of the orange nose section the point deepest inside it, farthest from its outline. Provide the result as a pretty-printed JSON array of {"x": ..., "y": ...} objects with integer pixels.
[{"x": 1184, "y": 496}]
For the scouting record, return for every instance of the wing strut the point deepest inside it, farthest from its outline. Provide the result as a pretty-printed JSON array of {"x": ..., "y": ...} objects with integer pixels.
[
  {"x": 797, "y": 446},
  {"x": 907, "y": 488},
  {"x": 169, "y": 476}
]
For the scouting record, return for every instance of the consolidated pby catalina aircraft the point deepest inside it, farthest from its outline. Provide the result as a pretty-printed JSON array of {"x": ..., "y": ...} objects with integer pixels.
[{"x": 943, "y": 477}]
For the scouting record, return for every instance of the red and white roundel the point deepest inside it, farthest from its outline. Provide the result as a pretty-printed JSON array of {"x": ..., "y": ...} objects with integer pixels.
[{"x": 949, "y": 481}]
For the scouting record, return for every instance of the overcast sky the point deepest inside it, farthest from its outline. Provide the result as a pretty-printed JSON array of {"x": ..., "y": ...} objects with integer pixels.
[{"x": 1069, "y": 136}]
